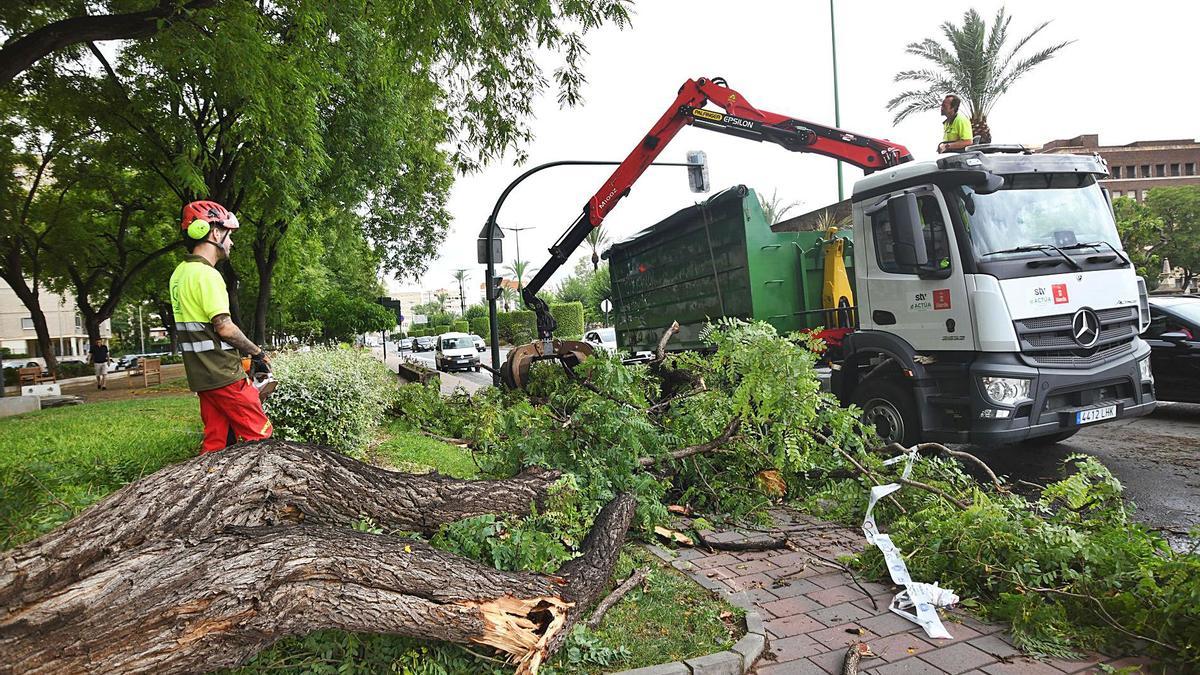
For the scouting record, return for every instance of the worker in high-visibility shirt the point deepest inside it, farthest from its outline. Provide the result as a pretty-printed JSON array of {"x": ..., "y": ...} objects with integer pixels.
[
  {"x": 956, "y": 128},
  {"x": 230, "y": 405}
]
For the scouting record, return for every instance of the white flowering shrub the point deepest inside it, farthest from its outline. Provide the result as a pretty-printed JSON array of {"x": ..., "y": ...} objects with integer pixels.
[{"x": 333, "y": 397}]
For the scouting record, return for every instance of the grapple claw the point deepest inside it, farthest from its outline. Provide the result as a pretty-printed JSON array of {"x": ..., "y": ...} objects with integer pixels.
[{"x": 514, "y": 372}]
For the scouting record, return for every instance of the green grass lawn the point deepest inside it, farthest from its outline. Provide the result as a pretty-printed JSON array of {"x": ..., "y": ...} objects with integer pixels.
[{"x": 55, "y": 463}]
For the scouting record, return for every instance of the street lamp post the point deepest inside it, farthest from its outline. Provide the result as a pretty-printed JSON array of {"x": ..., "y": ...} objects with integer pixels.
[
  {"x": 837, "y": 112},
  {"x": 488, "y": 238}
]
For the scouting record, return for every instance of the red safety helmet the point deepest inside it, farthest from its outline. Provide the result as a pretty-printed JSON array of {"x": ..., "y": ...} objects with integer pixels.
[{"x": 200, "y": 217}]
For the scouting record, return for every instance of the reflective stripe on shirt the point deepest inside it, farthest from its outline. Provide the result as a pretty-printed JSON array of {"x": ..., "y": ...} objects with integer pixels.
[{"x": 203, "y": 346}]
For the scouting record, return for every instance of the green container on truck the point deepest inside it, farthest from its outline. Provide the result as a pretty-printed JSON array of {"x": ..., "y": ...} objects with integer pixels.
[{"x": 718, "y": 258}]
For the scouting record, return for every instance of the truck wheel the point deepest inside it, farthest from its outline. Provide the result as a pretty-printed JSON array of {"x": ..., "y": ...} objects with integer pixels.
[
  {"x": 890, "y": 409},
  {"x": 1051, "y": 439}
]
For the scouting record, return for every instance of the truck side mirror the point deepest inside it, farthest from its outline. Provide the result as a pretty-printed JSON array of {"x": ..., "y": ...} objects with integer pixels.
[{"x": 910, "y": 249}]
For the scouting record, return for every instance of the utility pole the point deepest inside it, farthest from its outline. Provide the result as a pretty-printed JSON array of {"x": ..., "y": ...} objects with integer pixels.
[
  {"x": 518, "y": 231},
  {"x": 837, "y": 112},
  {"x": 141, "y": 330}
]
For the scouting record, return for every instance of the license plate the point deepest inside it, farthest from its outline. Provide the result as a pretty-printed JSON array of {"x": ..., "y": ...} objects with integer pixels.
[{"x": 1108, "y": 412}]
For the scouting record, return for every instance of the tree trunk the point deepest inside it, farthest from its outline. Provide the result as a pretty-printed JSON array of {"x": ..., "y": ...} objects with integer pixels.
[
  {"x": 231, "y": 287},
  {"x": 264, "y": 261},
  {"x": 980, "y": 132},
  {"x": 167, "y": 313},
  {"x": 203, "y": 564},
  {"x": 30, "y": 298}
]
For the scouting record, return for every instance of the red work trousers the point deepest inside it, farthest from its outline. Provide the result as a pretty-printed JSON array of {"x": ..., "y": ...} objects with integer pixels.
[{"x": 232, "y": 410}]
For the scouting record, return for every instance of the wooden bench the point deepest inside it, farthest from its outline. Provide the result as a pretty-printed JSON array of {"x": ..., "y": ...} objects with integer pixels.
[
  {"x": 33, "y": 375},
  {"x": 147, "y": 368}
]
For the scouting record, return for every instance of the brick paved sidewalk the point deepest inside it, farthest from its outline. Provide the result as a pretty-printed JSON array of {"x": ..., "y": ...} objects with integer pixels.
[{"x": 808, "y": 609}]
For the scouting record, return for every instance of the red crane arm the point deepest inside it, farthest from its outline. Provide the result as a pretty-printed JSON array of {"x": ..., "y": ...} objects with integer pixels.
[{"x": 739, "y": 119}]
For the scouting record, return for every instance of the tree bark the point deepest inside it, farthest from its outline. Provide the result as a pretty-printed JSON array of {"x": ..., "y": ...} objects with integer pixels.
[
  {"x": 205, "y": 563},
  {"x": 30, "y": 298}
]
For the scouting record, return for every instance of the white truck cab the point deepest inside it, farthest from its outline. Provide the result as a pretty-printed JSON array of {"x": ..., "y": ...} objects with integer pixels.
[{"x": 995, "y": 301}]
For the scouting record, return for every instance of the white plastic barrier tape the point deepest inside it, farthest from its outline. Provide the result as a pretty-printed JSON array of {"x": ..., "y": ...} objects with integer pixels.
[{"x": 918, "y": 602}]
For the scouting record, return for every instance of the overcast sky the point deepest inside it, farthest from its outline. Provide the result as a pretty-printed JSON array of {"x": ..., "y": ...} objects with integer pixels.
[{"x": 1128, "y": 76}]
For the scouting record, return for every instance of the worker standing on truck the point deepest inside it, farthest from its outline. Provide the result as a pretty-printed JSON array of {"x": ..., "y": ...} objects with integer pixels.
[
  {"x": 956, "y": 130},
  {"x": 229, "y": 404}
]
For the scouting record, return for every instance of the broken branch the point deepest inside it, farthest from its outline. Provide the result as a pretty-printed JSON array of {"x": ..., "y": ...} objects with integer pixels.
[
  {"x": 613, "y": 598},
  {"x": 726, "y": 435}
]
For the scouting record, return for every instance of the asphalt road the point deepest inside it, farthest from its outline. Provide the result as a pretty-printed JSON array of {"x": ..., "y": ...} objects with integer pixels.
[
  {"x": 483, "y": 378},
  {"x": 1156, "y": 458}
]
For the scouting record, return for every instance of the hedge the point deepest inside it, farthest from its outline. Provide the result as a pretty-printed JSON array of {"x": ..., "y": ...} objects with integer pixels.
[
  {"x": 481, "y": 327},
  {"x": 569, "y": 316},
  {"x": 460, "y": 326},
  {"x": 517, "y": 327}
]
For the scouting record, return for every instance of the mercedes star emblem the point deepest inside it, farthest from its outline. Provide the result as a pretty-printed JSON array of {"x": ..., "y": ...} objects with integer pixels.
[{"x": 1085, "y": 328}]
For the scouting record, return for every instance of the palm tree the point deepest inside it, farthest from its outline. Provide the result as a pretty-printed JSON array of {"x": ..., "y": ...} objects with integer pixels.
[
  {"x": 461, "y": 275},
  {"x": 975, "y": 66},
  {"x": 595, "y": 239},
  {"x": 510, "y": 298},
  {"x": 774, "y": 209},
  {"x": 442, "y": 297},
  {"x": 518, "y": 269}
]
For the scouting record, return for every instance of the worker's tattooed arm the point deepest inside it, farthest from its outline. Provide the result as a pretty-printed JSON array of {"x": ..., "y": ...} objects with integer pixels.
[{"x": 230, "y": 333}]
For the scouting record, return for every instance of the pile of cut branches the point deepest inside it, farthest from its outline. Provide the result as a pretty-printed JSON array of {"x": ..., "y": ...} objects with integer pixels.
[{"x": 1064, "y": 564}]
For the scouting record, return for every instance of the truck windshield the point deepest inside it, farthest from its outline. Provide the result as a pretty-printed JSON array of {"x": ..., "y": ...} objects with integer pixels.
[{"x": 1034, "y": 213}]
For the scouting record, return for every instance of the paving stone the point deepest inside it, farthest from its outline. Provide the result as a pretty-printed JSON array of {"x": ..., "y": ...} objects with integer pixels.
[
  {"x": 831, "y": 661},
  {"x": 727, "y": 536},
  {"x": 749, "y": 581},
  {"x": 830, "y": 580},
  {"x": 710, "y": 584},
  {"x": 788, "y": 606},
  {"x": 909, "y": 666},
  {"x": 660, "y": 552},
  {"x": 881, "y": 601},
  {"x": 791, "y": 587},
  {"x": 791, "y": 625},
  {"x": 761, "y": 596},
  {"x": 738, "y": 599},
  {"x": 689, "y": 554},
  {"x": 828, "y": 597},
  {"x": 673, "y": 668},
  {"x": 750, "y": 647},
  {"x": 719, "y": 573},
  {"x": 836, "y": 637},
  {"x": 753, "y": 555},
  {"x": 791, "y": 558},
  {"x": 900, "y": 646},
  {"x": 1021, "y": 666},
  {"x": 752, "y": 567},
  {"x": 889, "y": 623},
  {"x": 1074, "y": 666},
  {"x": 957, "y": 658},
  {"x": 958, "y": 633},
  {"x": 718, "y": 560},
  {"x": 721, "y": 663},
  {"x": 754, "y": 622},
  {"x": 684, "y": 565},
  {"x": 795, "y": 647},
  {"x": 843, "y": 613},
  {"x": 994, "y": 645},
  {"x": 797, "y": 667}
]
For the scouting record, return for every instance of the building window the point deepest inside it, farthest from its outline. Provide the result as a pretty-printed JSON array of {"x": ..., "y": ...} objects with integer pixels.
[
  {"x": 1145, "y": 171},
  {"x": 1160, "y": 170},
  {"x": 27, "y": 323},
  {"x": 1116, "y": 172},
  {"x": 1130, "y": 171},
  {"x": 1174, "y": 169},
  {"x": 1189, "y": 169},
  {"x": 1145, "y": 193},
  {"x": 1116, "y": 193}
]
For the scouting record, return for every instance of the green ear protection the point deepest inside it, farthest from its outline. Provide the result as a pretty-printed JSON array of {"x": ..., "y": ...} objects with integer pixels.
[{"x": 198, "y": 229}]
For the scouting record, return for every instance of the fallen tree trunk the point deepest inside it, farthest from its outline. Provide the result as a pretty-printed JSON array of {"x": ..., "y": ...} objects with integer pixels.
[
  {"x": 267, "y": 483},
  {"x": 206, "y": 563}
]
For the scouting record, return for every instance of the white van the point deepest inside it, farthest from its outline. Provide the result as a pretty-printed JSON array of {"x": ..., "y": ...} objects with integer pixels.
[{"x": 456, "y": 351}]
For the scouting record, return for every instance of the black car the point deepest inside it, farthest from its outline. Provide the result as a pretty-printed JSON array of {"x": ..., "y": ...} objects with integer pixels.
[
  {"x": 1174, "y": 338},
  {"x": 423, "y": 344}
]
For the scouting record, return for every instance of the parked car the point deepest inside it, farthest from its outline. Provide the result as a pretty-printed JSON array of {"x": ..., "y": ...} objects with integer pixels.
[
  {"x": 456, "y": 351},
  {"x": 602, "y": 338},
  {"x": 480, "y": 344},
  {"x": 125, "y": 362},
  {"x": 1174, "y": 338},
  {"x": 424, "y": 343},
  {"x": 404, "y": 343}
]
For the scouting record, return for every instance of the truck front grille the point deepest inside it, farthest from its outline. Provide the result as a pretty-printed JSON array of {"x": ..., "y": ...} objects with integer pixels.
[{"x": 1047, "y": 340}]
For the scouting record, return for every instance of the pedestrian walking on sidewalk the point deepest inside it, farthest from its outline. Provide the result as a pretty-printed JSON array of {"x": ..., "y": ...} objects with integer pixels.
[{"x": 99, "y": 358}]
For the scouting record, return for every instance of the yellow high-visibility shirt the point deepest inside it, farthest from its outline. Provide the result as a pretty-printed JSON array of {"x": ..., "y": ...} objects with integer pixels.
[{"x": 957, "y": 129}]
